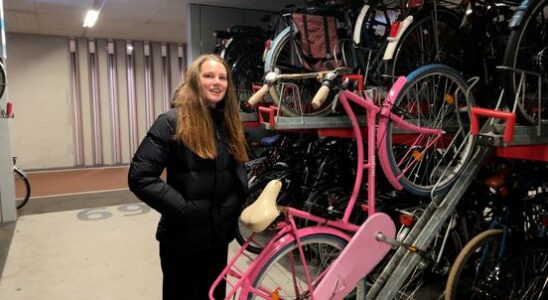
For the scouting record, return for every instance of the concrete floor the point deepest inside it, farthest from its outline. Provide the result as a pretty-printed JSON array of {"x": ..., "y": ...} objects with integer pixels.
[
  {"x": 94, "y": 252},
  {"x": 83, "y": 247}
]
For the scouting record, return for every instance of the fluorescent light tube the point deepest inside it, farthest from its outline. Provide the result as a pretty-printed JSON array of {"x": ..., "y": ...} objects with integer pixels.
[{"x": 91, "y": 18}]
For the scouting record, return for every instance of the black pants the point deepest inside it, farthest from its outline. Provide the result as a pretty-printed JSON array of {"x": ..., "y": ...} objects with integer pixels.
[{"x": 189, "y": 274}]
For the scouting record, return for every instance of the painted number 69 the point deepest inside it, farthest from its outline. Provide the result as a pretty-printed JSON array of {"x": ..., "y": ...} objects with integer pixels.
[{"x": 102, "y": 213}]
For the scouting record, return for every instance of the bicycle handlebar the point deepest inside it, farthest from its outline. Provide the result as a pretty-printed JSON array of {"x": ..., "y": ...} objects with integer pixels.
[
  {"x": 258, "y": 96},
  {"x": 320, "y": 96},
  {"x": 272, "y": 77}
]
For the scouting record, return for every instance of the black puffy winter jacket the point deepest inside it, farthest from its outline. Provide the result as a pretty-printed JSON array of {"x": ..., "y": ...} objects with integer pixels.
[{"x": 201, "y": 198}]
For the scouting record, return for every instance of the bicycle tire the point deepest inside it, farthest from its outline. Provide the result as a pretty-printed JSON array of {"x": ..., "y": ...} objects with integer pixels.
[
  {"x": 285, "y": 56},
  {"x": 3, "y": 78},
  {"x": 246, "y": 70},
  {"x": 440, "y": 103},
  {"x": 277, "y": 260},
  {"x": 529, "y": 58},
  {"x": 19, "y": 176},
  {"x": 417, "y": 47},
  {"x": 455, "y": 283},
  {"x": 529, "y": 269}
]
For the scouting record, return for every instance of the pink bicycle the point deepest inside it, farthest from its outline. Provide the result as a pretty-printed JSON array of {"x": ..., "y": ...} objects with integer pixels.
[{"x": 423, "y": 144}]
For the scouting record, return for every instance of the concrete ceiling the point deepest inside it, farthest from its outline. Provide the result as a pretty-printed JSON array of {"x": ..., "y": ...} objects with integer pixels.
[{"x": 149, "y": 20}]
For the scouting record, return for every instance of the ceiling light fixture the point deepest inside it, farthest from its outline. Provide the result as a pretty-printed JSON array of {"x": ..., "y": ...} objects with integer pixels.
[{"x": 91, "y": 18}]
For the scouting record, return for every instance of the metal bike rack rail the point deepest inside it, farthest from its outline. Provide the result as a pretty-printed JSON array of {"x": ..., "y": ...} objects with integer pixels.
[{"x": 422, "y": 234}]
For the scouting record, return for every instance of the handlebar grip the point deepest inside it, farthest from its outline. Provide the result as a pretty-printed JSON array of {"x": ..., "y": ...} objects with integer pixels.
[
  {"x": 258, "y": 96},
  {"x": 320, "y": 96}
]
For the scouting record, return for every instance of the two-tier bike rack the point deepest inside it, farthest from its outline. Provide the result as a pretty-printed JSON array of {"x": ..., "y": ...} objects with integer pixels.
[{"x": 503, "y": 139}]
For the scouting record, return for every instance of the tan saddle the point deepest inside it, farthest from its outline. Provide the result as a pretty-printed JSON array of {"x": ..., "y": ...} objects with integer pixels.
[{"x": 259, "y": 215}]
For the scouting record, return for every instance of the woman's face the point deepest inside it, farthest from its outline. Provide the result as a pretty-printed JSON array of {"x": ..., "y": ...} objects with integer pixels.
[{"x": 213, "y": 81}]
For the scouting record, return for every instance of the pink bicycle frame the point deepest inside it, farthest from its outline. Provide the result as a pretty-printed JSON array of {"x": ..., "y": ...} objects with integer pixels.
[{"x": 363, "y": 250}]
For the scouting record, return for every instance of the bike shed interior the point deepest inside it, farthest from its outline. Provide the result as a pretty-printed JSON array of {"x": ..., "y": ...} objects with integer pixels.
[{"x": 51, "y": 249}]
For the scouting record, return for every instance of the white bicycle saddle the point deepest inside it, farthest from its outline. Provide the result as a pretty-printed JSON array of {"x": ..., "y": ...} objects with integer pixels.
[{"x": 263, "y": 211}]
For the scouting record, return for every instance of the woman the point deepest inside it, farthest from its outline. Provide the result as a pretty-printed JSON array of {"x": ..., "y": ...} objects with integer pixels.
[{"x": 201, "y": 144}]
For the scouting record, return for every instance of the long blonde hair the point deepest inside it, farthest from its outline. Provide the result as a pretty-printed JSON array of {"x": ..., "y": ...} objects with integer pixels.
[{"x": 195, "y": 127}]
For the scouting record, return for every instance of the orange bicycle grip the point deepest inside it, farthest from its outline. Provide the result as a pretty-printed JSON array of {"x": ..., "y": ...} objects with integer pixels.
[
  {"x": 258, "y": 96},
  {"x": 320, "y": 96}
]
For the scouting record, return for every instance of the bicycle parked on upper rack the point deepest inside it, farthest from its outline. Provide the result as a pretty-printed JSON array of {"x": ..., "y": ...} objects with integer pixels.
[
  {"x": 527, "y": 57},
  {"x": 22, "y": 185},
  {"x": 385, "y": 40},
  {"x": 422, "y": 149},
  {"x": 242, "y": 47}
]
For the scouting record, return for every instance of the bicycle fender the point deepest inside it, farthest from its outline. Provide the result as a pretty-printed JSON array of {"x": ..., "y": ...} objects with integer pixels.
[
  {"x": 359, "y": 23},
  {"x": 517, "y": 18},
  {"x": 381, "y": 132},
  {"x": 357, "y": 259},
  {"x": 274, "y": 46},
  {"x": 393, "y": 41},
  {"x": 266, "y": 254}
]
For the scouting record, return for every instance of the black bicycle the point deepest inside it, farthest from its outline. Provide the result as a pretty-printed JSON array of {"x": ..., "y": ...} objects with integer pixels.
[
  {"x": 22, "y": 183},
  {"x": 527, "y": 55}
]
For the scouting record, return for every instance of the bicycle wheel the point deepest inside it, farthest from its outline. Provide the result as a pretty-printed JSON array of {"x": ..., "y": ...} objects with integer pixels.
[
  {"x": 22, "y": 187},
  {"x": 2, "y": 78},
  {"x": 247, "y": 70},
  {"x": 527, "y": 49},
  {"x": 433, "y": 97},
  {"x": 529, "y": 271},
  {"x": 427, "y": 41},
  {"x": 285, "y": 57},
  {"x": 476, "y": 270},
  {"x": 284, "y": 271}
]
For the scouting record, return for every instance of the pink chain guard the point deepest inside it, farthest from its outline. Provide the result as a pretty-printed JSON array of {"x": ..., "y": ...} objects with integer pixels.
[{"x": 357, "y": 259}]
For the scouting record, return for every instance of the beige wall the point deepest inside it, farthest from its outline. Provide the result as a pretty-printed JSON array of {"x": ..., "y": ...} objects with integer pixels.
[{"x": 39, "y": 79}]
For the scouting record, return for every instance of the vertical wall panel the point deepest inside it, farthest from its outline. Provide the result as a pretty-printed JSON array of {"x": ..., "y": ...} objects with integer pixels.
[
  {"x": 181, "y": 56},
  {"x": 131, "y": 98},
  {"x": 158, "y": 87},
  {"x": 49, "y": 112},
  {"x": 104, "y": 100},
  {"x": 112, "y": 68},
  {"x": 96, "y": 131},
  {"x": 166, "y": 78},
  {"x": 76, "y": 104},
  {"x": 120, "y": 47},
  {"x": 139, "y": 55},
  {"x": 149, "y": 82}
]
